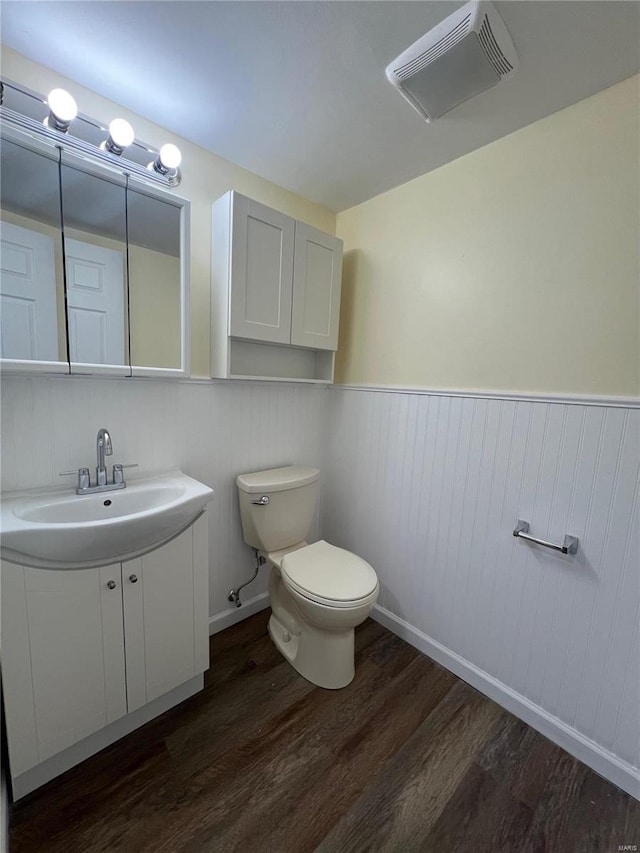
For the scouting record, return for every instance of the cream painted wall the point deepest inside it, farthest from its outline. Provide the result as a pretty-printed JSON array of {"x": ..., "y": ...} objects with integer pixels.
[
  {"x": 205, "y": 178},
  {"x": 514, "y": 268}
]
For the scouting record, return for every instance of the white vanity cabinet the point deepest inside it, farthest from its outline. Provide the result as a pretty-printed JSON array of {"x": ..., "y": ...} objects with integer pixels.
[
  {"x": 63, "y": 668},
  {"x": 275, "y": 298},
  {"x": 166, "y": 616},
  {"x": 90, "y": 654}
]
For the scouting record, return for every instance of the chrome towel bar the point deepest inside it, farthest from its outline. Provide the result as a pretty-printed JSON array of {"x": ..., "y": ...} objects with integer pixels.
[{"x": 569, "y": 546}]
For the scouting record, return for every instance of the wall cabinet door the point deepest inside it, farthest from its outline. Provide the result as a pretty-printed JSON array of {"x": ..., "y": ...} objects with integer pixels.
[
  {"x": 166, "y": 616},
  {"x": 261, "y": 272},
  {"x": 317, "y": 282},
  {"x": 62, "y": 658}
]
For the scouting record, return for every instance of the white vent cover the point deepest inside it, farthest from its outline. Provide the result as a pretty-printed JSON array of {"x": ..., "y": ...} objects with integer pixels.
[{"x": 468, "y": 52}]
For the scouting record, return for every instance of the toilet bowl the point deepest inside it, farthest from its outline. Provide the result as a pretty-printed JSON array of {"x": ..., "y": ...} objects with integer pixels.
[{"x": 318, "y": 592}]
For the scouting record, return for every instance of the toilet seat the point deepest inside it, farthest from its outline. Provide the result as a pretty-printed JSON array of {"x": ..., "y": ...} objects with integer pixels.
[{"x": 329, "y": 575}]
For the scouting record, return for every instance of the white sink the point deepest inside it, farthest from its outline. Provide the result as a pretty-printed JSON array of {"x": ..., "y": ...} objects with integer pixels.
[{"x": 57, "y": 529}]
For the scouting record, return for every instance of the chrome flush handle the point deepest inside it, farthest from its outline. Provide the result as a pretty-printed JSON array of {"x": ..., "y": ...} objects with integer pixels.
[{"x": 264, "y": 500}]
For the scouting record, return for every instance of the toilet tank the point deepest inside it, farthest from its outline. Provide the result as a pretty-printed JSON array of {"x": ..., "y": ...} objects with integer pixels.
[{"x": 277, "y": 506}]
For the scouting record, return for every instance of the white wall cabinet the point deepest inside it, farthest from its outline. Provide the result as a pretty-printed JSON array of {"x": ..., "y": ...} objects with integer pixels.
[
  {"x": 275, "y": 295},
  {"x": 317, "y": 283},
  {"x": 262, "y": 261},
  {"x": 82, "y": 648}
]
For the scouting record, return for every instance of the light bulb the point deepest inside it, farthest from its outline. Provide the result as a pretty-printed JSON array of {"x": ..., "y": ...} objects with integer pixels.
[
  {"x": 170, "y": 156},
  {"x": 167, "y": 162},
  {"x": 121, "y": 133},
  {"x": 63, "y": 109}
]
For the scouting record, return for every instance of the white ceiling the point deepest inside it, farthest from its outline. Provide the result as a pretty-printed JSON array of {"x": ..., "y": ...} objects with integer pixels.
[{"x": 296, "y": 91}]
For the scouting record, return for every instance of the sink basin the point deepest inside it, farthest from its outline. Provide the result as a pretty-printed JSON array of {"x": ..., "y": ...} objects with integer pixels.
[{"x": 57, "y": 529}]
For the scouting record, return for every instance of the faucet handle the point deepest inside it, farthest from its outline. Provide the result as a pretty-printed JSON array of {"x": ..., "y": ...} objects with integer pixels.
[
  {"x": 118, "y": 471},
  {"x": 82, "y": 474}
]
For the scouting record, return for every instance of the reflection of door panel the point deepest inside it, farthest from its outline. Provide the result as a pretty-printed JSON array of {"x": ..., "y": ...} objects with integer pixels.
[
  {"x": 28, "y": 317},
  {"x": 95, "y": 296}
]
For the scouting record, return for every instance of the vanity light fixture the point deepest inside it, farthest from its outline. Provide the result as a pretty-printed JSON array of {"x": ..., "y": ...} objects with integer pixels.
[
  {"x": 167, "y": 161},
  {"x": 25, "y": 111},
  {"x": 121, "y": 136},
  {"x": 62, "y": 110}
]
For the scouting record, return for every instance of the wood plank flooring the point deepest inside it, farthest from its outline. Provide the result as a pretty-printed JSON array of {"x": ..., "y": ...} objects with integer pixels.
[{"x": 407, "y": 758}]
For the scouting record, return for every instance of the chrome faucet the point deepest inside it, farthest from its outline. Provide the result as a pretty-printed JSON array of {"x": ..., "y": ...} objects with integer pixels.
[{"x": 103, "y": 448}]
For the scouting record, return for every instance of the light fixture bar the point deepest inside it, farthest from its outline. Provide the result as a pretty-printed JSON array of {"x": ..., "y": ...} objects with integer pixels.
[{"x": 75, "y": 144}]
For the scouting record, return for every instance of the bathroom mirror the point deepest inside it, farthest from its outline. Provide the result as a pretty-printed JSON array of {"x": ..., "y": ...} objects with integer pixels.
[
  {"x": 156, "y": 255},
  {"x": 113, "y": 248},
  {"x": 94, "y": 211},
  {"x": 32, "y": 316}
]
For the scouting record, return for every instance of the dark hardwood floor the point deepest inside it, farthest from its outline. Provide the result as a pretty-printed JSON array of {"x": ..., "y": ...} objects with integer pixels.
[{"x": 407, "y": 758}]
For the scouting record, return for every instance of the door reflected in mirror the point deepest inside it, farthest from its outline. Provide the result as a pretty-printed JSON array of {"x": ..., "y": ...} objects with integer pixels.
[
  {"x": 95, "y": 254},
  {"x": 155, "y": 281},
  {"x": 32, "y": 321},
  {"x": 93, "y": 273}
]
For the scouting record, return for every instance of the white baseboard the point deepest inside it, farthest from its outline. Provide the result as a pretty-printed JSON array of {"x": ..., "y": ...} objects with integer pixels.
[
  {"x": 620, "y": 772},
  {"x": 232, "y": 615}
]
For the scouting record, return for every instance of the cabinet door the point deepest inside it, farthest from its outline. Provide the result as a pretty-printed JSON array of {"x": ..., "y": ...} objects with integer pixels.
[
  {"x": 261, "y": 272},
  {"x": 317, "y": 282},
  {"x": 165, "y": 616},
  {"x": 63, "y": 658}
]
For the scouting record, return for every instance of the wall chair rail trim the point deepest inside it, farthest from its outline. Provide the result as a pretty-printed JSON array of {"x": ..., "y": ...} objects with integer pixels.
[{"x": 481, "y": 394}]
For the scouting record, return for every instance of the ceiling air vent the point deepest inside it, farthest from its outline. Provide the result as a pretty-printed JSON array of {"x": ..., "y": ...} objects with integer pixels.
[{"x": 468, "y": 52}]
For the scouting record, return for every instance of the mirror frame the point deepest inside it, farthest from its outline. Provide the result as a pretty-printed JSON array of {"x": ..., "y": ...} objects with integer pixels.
[{"x": 120, "y": 176}]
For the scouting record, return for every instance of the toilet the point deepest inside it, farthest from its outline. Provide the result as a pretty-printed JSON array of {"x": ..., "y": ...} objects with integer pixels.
[{"x": 319, "y": 593}]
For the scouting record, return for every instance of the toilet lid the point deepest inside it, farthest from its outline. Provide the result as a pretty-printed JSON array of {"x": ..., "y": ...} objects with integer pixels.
[{"x": 329, "y": 574}]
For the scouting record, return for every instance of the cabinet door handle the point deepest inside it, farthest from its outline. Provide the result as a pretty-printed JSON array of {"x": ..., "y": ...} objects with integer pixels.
[
  {"x": 111, "y": 584},
  {"x": 133, "y": 578}
]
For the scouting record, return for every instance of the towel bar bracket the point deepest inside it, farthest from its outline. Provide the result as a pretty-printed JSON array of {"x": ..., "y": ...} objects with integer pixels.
[{"x": 569, "y": 546}]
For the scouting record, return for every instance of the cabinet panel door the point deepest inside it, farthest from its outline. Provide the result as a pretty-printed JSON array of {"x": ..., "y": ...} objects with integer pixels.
[
  {"x": 317, "y": 282},
  {"x": 20, "y": 713},
  {"x": 261, "y": 272},
  {"x": 160, "y": 610},
  {"x": 73, "y": 622}
]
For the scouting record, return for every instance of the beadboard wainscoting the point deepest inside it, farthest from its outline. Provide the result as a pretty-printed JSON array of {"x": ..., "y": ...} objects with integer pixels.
[
  {"x": 211, "y": 430},
  {"x": 428, "y": 489}
]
